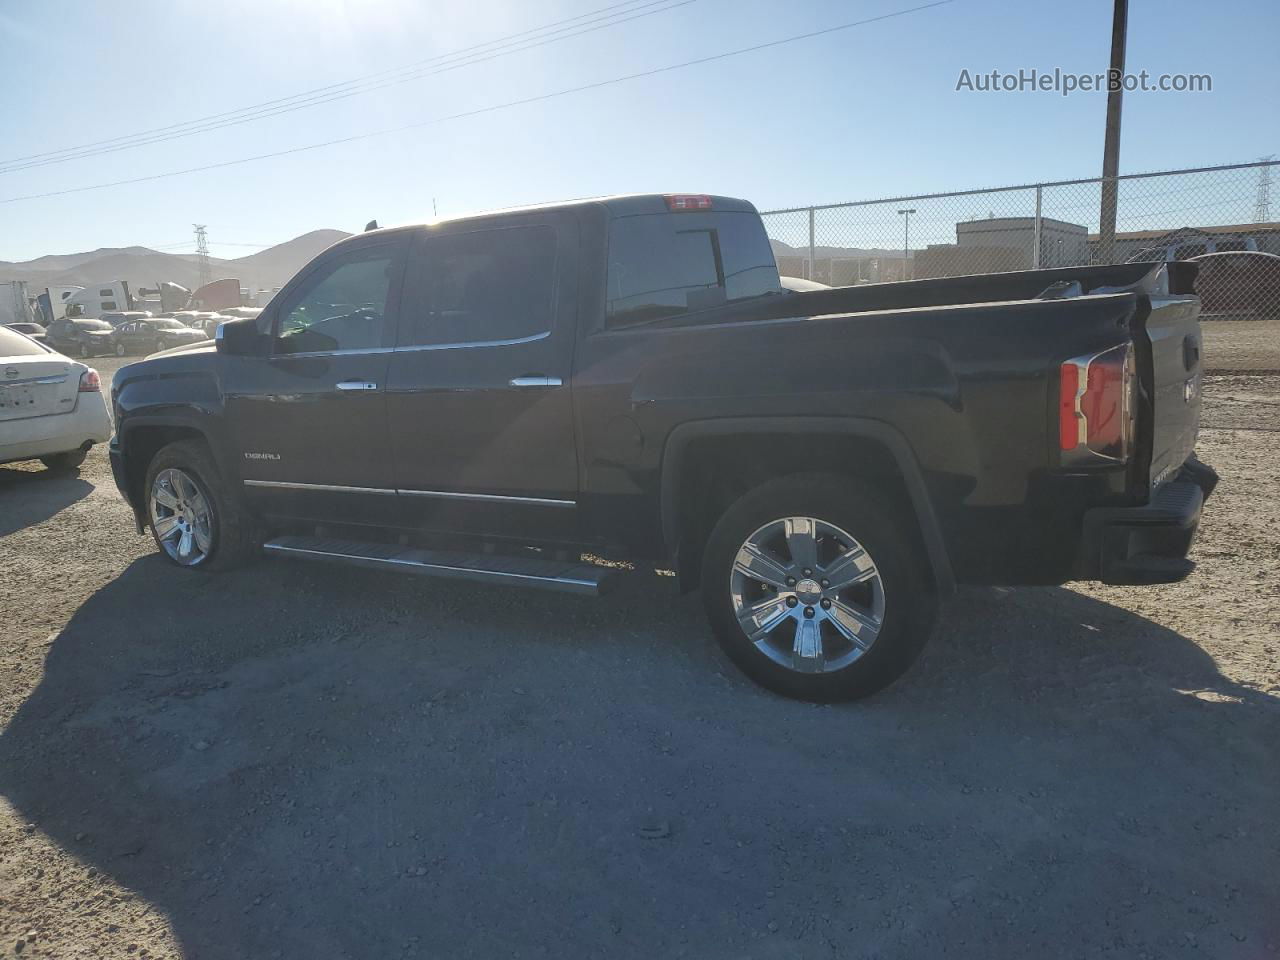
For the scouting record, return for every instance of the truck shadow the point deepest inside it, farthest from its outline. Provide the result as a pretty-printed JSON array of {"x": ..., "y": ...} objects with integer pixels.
[
  {"x": 28, "y": 497},
  {"x": 306, "y": 761}
]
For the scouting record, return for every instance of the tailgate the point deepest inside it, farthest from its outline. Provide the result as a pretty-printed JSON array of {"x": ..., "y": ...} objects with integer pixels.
[
  {"x": 37, "y": 388},
  {"x": 1173, "y": 329}
]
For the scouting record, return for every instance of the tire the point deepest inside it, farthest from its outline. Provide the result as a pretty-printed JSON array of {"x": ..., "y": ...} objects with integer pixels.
[
  {"x": 897, "y": 593},
  {"x": 159, "y": 345},
  {"x": 84, "y": 350},
  {"x": 231, "y": 539},
  {"x": 120, "y": 349},
  {"x": 64, "y": 461}
]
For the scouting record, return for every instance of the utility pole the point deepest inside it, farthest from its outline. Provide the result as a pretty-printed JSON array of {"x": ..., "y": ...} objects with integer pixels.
[
  {"x": 1111, "y": 145},
  {"x": 906, "y": 238},
  {"x": 202, "y": 251}
]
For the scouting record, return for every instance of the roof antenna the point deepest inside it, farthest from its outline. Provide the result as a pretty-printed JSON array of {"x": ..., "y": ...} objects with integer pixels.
[{"x": 371, "y": 225}]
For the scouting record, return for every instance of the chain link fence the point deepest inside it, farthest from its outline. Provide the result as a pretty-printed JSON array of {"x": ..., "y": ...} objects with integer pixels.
[{"x": 1221, "y": 215}]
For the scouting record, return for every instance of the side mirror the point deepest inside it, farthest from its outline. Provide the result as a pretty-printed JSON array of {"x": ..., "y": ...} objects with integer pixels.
[{"x": 240, "y": 338}]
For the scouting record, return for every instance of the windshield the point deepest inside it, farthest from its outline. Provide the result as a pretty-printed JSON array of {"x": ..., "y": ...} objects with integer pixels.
[{"x": 91, "y": 325}]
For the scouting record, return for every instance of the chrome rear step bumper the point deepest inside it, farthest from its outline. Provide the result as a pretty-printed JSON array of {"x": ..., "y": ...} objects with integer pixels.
[{"x": 566, "y": 577}]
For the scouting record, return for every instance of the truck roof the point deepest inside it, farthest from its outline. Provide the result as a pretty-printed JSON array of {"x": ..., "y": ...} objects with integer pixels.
[{"x": 620, "y": 205}]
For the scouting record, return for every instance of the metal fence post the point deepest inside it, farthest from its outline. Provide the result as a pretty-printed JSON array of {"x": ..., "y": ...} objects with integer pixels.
[
  {"x": 813, "y": 264},
  {"x": 1036, "y": 262}
]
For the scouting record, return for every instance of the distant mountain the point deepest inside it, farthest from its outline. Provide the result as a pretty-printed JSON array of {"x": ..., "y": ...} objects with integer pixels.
[{"x": 142, "y": 267}]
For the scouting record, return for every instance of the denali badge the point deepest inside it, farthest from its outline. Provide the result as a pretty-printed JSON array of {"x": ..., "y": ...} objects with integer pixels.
[{"x": 262, "y": 456}]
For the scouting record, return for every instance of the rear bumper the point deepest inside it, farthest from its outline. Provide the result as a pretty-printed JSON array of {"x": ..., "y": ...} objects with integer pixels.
[
  {"x": 1148, "y": 544},
  {"x": 27, "y": 439}
]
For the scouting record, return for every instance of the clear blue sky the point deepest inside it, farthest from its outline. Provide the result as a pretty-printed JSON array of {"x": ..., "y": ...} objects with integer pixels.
[{"x": 867, "y": 112}]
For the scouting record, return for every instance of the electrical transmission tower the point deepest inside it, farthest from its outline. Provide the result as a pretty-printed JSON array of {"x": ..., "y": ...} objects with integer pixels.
[
  {"x": 1262, "y": 212},
  {"x": 202, "y": 251}
]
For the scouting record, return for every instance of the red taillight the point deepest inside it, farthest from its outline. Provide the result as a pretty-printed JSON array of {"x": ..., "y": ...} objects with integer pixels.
[
  {"x": 1068, "y": 424},
  {"x": 1095, "y": 404},
  {"x": 688, "y": 201},
  {"x": 90, "y": 382}
]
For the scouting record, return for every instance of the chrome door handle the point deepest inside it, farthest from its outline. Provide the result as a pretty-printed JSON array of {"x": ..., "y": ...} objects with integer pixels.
[
  {"x": 536, "y": 382},
  {"x": 356, "y": 385}
]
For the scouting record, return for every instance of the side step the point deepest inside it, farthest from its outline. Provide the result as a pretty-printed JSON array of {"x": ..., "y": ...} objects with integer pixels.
[{"x": 559, "y": 575}]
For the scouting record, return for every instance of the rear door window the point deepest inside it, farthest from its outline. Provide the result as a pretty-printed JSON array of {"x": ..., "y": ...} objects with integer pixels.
[
  {"x": 666, "y": 265},
  {"x": 481, "y": 286}
]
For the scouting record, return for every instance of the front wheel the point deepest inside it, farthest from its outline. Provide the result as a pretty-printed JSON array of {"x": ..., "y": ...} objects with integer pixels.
[
  {"x": 193, "y": 520},
  {"x": 816, "y": 589},
  {"x": 84, "y": 350},
  {"x": 120, "y": 349}
]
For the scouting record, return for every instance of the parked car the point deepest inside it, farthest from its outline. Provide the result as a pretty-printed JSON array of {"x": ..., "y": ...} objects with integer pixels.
[
  {"x": 80, "y": 336},
  {"x": 118, "y": 317},
  {"x": 153, "y": 334},
  {"x": 625, "y": 377},
  {"x": 1188, "y": 245},
  {"x": 51, "y": 407},
  {"x": 1238, "y": 286},
  {"x": 208, "y": 322},
  {"x": 32, "y": 330}
]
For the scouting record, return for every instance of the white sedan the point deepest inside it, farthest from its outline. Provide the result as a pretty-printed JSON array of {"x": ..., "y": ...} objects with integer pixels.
[{"x": 51, "y": 407}]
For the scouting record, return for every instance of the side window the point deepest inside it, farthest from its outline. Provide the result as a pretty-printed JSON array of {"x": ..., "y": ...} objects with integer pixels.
[
  {"x": 666, "y": 265},
  {"x": 482, "y": 286},
  {"x": 340, "y": 307},
  {"x": 108, "y": 304}
]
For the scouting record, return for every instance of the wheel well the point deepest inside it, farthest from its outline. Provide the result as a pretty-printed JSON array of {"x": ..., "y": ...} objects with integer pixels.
[
  {"x": 144, "y": 444},
  {"x": 717, "y": 470}
]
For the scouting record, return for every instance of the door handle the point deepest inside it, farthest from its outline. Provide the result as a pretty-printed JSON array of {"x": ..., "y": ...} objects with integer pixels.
[
  {"x": 356, "y": 385},
  {"x": 536, "y": 382}
]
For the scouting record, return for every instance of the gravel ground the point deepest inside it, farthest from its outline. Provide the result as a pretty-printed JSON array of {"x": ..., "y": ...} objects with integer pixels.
[
  {"x": 313, "y": 762},
  {"x": 1242, "y": 345}
]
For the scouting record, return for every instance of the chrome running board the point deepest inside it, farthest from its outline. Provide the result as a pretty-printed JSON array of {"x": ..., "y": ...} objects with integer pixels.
[{"x": 564, "y": 576}]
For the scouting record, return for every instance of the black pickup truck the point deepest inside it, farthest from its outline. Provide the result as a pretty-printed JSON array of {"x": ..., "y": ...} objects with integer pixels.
[{"x": 503, "y": 396}]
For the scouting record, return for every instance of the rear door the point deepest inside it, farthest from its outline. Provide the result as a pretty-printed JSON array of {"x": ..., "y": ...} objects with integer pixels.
[
  {"x": 478, "y": 391},
  {"x": 309, "y": 420}
]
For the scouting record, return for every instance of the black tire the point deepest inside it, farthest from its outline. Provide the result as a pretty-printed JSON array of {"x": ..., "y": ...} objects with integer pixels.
[
  {"x": 233, "y": 539},
  {"x": 64, "y": 461},
  {"x": 120, "y": 349},
  {"x": 910, "y": 600}
]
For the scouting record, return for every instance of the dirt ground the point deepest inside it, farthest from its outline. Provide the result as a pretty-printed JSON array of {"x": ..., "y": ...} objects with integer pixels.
[{"x": 314, "y": 762}]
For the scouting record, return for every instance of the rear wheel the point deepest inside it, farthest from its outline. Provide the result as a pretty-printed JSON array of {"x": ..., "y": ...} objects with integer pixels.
[
  {"x": 815, "y": 588},
  {"x": 65, "y": 461},
  {"x": 193, "y": 520}
]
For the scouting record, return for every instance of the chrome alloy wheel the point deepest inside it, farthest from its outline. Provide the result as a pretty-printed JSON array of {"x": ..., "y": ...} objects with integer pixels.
[
  {"x": 180, "y": 517},
  {"x": 807, "y": 594}
]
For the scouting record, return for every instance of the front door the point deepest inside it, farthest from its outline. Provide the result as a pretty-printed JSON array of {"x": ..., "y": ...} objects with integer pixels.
[
  {"x": 478, "y": 391},
  {"x": 310, "y": 418}
]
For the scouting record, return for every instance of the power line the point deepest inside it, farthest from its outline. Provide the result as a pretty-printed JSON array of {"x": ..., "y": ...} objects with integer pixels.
[
  {"x": 493, "y": 108},
  {"x": 468, "y": 56}
]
